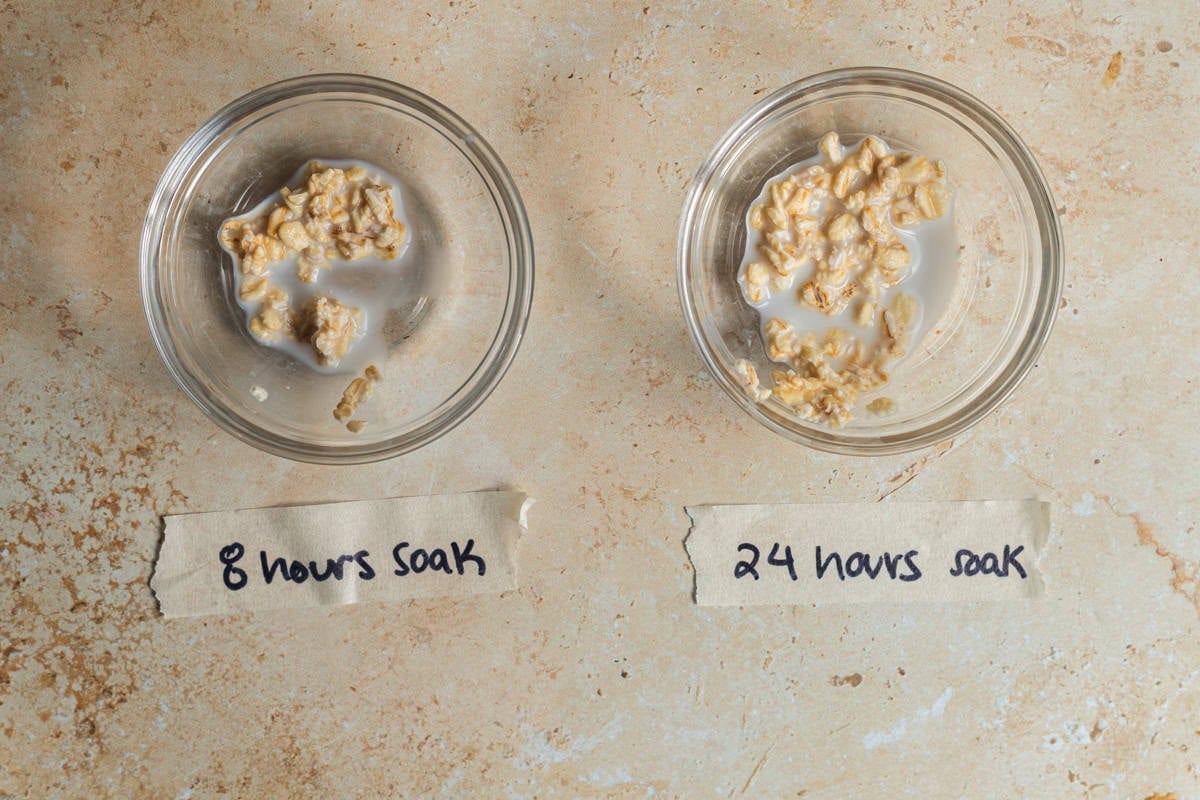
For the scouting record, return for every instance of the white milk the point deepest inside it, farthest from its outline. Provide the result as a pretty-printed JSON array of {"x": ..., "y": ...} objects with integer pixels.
[
  {"x": 933, "y": 251},
  {"x": 391, "y": 293}
]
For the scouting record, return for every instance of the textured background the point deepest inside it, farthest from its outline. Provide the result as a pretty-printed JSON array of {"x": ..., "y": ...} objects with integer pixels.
[{"x": 599, "y": 677}]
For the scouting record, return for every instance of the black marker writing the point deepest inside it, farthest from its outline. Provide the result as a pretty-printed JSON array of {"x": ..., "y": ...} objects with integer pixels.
[
  {"x": 365, "y": 571},
  {"x": 234, "y": 577},
  {"x": 743, "y": 568},
  {"x": 786, "y": 560},
  {"x": 967, "y": 563},
  {"x": 299, "y": 572},
  {"x": 823, "y": 566},
  {"x": 858, "y": 563},
  {"x": 437, "y": 560},
  {"x": 464, "y": 556}
]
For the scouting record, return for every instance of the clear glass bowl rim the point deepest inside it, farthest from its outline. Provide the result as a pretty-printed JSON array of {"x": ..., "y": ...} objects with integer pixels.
[
  {"x": 483, "y": 379},
  {"x": 1049, "y": 235}
]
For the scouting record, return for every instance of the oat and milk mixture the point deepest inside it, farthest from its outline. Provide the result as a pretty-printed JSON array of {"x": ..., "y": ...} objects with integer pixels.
[
  {"x": 829, "y": 243},
  {"x": 333, "y": 215}
]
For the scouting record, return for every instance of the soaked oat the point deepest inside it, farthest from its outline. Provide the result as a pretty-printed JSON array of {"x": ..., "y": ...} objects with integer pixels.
[
  {"x": 355, "y": 395},
  {"x": 338, "y": 215},
  {"x": 835, "y": 222}
]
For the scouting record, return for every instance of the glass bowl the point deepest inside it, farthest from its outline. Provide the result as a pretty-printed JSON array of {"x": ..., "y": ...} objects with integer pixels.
[
  {"x": 1010, "y": 264},
  {"x": 457, "y": 306}
]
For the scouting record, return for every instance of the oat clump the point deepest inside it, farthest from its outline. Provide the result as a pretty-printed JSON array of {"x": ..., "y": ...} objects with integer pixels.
[
  {"x": 835, "y": 223},
  {"x": 338, "y": 215}
]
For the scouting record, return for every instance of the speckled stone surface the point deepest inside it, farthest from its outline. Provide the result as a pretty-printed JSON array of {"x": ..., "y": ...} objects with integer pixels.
[{"x": 599, "y": 677}]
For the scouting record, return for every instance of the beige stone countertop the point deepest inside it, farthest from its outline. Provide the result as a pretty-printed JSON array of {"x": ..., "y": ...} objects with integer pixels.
[{"x": 599, "y": 677}]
